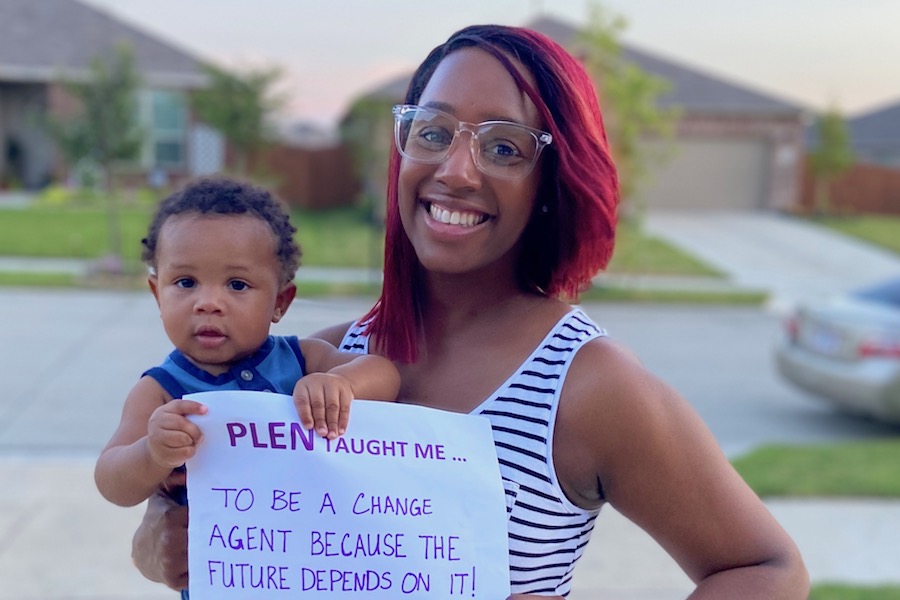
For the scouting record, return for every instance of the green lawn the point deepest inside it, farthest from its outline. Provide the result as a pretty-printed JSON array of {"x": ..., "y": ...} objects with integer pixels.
[
  {"x": 881, "y": 230},
  {"x": 338, "y": 238},
  {"x": 53, "y": 280},
  {"x": 68, "y": 232},
  {"x": 628, "y": 294},
  {"x": 846, "y": 592},
  {"x": 640, "y": 254},
  {"x": 333, "y": 238},
  {"x": 853, "y": 469}
]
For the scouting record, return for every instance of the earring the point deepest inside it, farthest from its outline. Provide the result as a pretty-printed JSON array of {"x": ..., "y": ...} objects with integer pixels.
[{"x": 545, "y": 209}]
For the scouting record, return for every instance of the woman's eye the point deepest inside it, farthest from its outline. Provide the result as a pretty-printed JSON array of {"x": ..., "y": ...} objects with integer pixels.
[
  {"x": 435, "y": 136},
  {"x": 238, "y": 285},
  {"x": 501, "y": 150},
  {"x": 185, "y": 283}
]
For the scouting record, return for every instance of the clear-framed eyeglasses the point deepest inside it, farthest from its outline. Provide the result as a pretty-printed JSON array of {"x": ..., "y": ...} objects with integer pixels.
[{"x": 499, "y": 148}]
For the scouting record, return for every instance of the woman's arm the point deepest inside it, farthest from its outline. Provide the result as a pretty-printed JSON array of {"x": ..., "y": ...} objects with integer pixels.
[
  {"x": 159, "y": 546},
  {"x": 626, "y": 437},
  {"x": 333, "y": 334}
]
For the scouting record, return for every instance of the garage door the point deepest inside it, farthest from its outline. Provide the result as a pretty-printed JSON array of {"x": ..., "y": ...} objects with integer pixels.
[{"x": 721, "y": 174}]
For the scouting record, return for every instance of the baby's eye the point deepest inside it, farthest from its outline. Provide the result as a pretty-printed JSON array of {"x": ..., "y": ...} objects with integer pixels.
[
  {"x": 238, "y": 285},
  {"x": 185, "y": 282}
]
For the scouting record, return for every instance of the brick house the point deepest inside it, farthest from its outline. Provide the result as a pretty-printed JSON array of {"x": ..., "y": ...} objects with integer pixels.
[
  {"x": 43, "y": 42},
  {"x": 734, "y": 148},
  {"x": 875, "y": 136}
]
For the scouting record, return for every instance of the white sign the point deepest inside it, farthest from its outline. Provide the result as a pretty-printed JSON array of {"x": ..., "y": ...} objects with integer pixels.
[{"x": 409, "y": 503}]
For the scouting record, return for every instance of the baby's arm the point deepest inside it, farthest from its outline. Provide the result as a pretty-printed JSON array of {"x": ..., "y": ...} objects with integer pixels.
[
  {"x": 153, "y": 437},
  {"x": 334, "y": 379}
]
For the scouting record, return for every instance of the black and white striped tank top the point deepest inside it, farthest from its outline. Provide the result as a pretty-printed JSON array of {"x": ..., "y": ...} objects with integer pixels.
[{"x": 547, "y": 533}]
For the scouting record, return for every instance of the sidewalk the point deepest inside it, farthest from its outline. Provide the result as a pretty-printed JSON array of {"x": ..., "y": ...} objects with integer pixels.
[
  {"x": 793, "y": 259},
  {"x": 62, "y": 541}
]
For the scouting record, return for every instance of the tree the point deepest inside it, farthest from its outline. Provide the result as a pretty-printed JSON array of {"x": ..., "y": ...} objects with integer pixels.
[
  {"x": 104, "y": 129},
  {"x": 628, "y": 96},
  {"x": 240, "y": 105},
  {"x": 830, "y": 158},
  {"x": 367, "y": 129}
]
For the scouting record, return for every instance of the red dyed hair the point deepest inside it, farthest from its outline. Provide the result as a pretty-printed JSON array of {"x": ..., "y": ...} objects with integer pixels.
[{"x": 563, "y": 248}]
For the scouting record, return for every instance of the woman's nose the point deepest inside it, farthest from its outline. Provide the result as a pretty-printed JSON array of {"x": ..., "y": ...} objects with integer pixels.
[{"x": 459, "y": 168}]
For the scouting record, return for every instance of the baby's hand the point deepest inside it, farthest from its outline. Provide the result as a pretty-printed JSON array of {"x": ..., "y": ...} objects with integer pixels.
[
  {"x": 323, "y": 403},
  {"x": 171, "y": 437}
]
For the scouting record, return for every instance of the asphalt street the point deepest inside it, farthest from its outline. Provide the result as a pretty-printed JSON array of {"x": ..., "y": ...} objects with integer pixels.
[{"x": 69, "y": 357}]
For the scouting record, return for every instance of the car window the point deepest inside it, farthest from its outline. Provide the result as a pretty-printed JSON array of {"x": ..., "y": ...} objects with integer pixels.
[{"x": 887, "y": 292}]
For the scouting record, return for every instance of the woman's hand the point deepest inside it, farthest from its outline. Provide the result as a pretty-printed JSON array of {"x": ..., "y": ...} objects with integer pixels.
[{"x": 159, "y": 546}]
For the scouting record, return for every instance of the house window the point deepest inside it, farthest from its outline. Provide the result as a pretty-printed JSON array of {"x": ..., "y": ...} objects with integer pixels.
[{"x": 164, "y": 118}]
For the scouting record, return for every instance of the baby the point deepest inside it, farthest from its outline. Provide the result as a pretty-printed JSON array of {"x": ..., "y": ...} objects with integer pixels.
[{"x": 222, "y": 260}]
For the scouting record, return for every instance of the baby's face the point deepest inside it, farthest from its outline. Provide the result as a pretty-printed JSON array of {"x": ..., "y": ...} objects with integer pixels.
[{"x": 218, "y": 286}]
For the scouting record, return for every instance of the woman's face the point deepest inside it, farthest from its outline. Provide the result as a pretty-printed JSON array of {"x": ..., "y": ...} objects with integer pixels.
[{"x": 458, "y": 218}]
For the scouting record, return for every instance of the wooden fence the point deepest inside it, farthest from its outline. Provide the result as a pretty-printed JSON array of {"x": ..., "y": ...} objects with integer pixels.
[
  {"x": 864, "y": 189},
  {"x": 312, "y": 178}
]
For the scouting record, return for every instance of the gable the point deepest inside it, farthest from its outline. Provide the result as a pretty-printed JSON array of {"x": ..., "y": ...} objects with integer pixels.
[
  {"x": 875, "y": 135},
  {"x": 690, "y": 89},
  {"x": 878, "y": 125},
  {"x": 42, "y": 40}
]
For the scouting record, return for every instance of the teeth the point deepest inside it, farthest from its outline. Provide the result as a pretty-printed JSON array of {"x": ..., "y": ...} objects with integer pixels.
[{"x": 464, "y": 219}]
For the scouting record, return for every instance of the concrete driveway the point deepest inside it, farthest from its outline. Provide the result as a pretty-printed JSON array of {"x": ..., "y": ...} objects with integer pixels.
[{"x": 792, "y": 259}]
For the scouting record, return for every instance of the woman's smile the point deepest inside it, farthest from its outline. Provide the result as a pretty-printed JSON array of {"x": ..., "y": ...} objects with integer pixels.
[{"x": 462, "y": 218}]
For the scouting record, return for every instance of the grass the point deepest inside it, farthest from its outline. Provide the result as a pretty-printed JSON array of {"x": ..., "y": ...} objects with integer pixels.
[
  {"x": 333, "y": 238},
  {"x": 623, "y": 294},
  {"x": 53, "y": 280},
  {"x": 880, "y": 230},
  {"x": 846, "y": 592},
  {"x": 328, "y": 239},
  {"x": 68, "y": 232},
  {"x": 338, "y": 238},
  {"x": 317, "y": 289},
  {"x": 851, "y": 469},
  {"x": 640, "y": 254}
]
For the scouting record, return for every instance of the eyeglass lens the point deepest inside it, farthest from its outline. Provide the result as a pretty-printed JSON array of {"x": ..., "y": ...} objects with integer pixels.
[{"x": 502, "y": 149}]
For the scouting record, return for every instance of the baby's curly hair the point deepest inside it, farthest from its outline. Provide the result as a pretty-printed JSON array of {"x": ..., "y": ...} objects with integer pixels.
[{"x": 224, "y": 196}]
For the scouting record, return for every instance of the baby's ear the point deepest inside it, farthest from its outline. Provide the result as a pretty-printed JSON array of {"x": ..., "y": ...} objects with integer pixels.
[
  {"x": 153, "y": 284},
  {"x": 285, "y": 296}
]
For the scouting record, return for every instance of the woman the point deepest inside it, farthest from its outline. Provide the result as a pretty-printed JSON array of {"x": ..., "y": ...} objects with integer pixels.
[{"x": 501, "y": 203}]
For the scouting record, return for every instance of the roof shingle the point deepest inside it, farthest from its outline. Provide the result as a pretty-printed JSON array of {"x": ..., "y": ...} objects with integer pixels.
[
  {"x": 40, "y": 40},
  {"x": 690, "y": 89}
]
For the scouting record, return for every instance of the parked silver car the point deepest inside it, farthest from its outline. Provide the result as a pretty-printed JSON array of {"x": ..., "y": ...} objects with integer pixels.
[{"x": 846, "y": 350}]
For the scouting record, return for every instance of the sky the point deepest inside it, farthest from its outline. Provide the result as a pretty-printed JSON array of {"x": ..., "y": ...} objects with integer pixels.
[{"x": 815, "y": 53}]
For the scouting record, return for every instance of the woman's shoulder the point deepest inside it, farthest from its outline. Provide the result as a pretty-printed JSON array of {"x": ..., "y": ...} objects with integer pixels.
[
  {"x": 603, "y": 366},
  {"x": 608, "y": 388}
]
